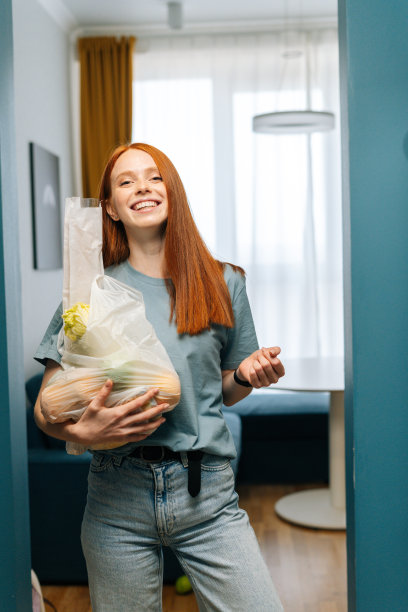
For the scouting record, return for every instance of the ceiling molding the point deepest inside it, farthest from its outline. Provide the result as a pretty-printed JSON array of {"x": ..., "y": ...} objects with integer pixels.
[
  {"x": 57, "y": 10},
  {"x": 219, "y": 27}
]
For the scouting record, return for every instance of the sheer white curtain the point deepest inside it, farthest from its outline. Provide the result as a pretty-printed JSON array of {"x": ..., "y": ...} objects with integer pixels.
[{"x": 271, "y": 204}]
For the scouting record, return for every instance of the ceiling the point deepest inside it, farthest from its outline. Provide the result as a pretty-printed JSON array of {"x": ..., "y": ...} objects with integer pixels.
[{"x": 153, "y": 13}]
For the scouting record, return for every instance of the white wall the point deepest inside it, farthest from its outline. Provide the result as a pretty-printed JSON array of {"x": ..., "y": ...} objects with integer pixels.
[{"x": 42, "y": 111}]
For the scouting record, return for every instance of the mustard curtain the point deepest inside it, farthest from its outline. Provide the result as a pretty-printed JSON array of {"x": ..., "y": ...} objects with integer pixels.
[{"x": 106, "y": 103}]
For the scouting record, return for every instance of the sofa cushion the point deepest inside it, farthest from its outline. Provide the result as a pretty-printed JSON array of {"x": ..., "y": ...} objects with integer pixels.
[
  {"x": 276, "y": 401},
  {"x": 35, "y": 437},
  {"x": 32, "y": 386},
  {"x": 284, "y": 436}
]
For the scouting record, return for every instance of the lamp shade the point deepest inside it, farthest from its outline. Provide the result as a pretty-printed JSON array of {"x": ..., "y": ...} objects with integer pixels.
[{"x": 293, "y": 122}]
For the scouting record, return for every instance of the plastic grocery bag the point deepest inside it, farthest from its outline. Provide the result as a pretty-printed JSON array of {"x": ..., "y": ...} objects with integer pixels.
[{"x": 106, "y": 336}]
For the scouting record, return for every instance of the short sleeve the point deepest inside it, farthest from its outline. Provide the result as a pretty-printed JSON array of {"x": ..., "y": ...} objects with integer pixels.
[
  {"x": 241, "y": 339},
  {"x": 48, "y": 348}
]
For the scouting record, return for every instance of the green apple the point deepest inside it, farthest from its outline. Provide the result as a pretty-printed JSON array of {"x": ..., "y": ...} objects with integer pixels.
[{"x": 183, "y": 586}]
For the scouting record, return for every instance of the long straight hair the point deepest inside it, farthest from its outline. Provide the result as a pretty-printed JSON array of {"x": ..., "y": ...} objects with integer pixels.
[{"x": 199, "y": 296}]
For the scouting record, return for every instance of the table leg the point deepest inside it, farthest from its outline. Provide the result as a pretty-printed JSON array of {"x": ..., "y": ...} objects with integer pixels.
[
  {"x": 337, "y": 467},
  {"x": 323, "y": 508}
]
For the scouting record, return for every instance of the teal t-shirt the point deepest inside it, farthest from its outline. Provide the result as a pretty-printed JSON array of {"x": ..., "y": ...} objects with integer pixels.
[{"x": 196, "y": 423}]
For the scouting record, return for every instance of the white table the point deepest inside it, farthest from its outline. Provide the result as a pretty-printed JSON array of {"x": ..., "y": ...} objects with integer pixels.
[{"x": 319, "y": 508}]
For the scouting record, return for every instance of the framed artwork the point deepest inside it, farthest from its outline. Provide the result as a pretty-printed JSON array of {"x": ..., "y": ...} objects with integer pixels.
[{"x": 46, "y": 209}]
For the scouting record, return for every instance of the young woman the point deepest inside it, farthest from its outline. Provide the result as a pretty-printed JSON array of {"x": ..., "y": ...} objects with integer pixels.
[{"x": 170, "y": 482}]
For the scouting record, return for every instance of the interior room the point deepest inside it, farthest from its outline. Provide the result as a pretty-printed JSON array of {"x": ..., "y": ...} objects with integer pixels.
[{"x": 259, "y": 107}]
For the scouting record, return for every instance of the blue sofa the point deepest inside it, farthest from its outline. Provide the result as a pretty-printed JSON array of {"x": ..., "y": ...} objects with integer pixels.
[
  {"x": 284, "y": 437},
  {"x": 280, "y": 437}
]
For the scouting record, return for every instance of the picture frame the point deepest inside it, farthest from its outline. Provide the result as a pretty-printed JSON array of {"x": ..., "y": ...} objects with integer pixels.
[{"x": 46, "y": 208}]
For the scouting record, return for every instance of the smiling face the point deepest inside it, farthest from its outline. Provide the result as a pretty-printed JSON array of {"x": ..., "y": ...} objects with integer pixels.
[{"x": 139, "y": 196}]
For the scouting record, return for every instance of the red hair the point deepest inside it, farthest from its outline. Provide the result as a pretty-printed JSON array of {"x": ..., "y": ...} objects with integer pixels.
[{"x": 199, "y": 295}]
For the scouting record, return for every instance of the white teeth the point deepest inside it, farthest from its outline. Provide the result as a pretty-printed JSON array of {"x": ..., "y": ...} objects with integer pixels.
[{"x": 148, "y": 203}]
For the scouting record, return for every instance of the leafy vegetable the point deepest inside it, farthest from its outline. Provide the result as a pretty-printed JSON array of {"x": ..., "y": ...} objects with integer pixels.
[{"x": 75, "y": 320}]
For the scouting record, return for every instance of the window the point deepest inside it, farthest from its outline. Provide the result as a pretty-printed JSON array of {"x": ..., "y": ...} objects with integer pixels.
[{"x": 268, "y": 203}]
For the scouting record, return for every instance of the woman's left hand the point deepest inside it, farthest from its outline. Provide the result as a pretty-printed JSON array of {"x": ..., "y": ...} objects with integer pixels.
[{"x": 262, "y": 368}]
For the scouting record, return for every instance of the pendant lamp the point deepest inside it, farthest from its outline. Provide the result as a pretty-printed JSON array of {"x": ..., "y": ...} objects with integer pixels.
[
  {"x": 293, "y": 122},
  {"x": 302, "y": 121}
]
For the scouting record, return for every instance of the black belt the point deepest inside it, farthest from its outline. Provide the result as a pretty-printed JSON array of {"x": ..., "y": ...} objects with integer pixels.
[{"x": 155, "y": 454}]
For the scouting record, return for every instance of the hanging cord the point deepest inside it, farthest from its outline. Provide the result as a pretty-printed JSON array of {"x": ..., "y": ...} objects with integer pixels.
[{"x": 287, "y": 53}]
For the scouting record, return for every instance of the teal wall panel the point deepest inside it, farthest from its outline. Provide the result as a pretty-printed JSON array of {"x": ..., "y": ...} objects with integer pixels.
[
  {"x": 15, "y": 585},
  {"x": 374, "y": 84}
]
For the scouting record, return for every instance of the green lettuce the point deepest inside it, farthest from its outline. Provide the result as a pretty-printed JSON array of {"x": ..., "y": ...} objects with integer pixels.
[{"x": 75, "y": 320}]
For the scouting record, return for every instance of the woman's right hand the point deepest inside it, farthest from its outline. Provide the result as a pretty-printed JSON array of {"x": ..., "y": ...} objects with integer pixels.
[{"x": 130, "y": 422}]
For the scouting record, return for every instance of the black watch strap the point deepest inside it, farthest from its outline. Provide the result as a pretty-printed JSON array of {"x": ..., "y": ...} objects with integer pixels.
[{"x": 243, "y": 383}]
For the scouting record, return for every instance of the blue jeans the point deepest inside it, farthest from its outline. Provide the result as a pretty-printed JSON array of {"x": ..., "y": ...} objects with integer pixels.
[{"x": 135, "y": 507}]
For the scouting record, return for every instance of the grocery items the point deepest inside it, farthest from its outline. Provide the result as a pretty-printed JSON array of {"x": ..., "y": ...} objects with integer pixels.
[{"x": 105, "y": 335}]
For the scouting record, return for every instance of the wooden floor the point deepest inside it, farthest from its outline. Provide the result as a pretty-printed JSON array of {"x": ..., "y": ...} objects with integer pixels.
[{"x": 308, "y": 566}]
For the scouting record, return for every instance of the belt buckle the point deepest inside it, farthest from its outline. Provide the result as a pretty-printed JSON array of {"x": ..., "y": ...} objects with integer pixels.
[{"x": 155, "y": 459}]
